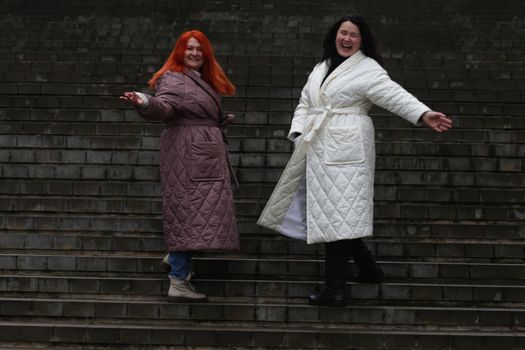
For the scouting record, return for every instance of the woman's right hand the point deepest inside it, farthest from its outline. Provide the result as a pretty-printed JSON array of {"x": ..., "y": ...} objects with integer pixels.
[
  {"x": 132, "y": 98},
  {"x": 436, "y": 120}
]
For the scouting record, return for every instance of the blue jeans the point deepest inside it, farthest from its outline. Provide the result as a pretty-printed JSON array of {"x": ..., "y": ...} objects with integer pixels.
[{"x": 180, "y": 263}]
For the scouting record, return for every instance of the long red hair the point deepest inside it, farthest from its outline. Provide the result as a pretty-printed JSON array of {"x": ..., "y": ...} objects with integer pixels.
[{"x": 211, "y": 71}]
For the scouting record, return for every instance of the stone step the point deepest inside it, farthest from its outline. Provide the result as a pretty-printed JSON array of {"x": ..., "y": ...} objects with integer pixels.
[
  {"x": 252, "y": 105},
  {"x": 484, "y": 61},
  {"x": 403, "y": 227},
  {"x": 144, "y": 138},
  {"x": 472, "y": 63},
  {"x": 125, "y": 122},
  {"x": 65, "y": 269},
  {"x": 23, "y": 124},
  {"x": 281, "y": 42},
  {"x": 124, "y": 166},
  {"x": 238, "y": 36},
  {"x": 405, "y": 208},
  {"x": 423, "y": 228},
  {"x": 437, "y": 84},
  {"x": 267, "y": 248},
  {"x": 417, "y": 287},
  {"x": 390, "y": 226},
  {"x": 76, "y": 33},
  {"x": 109, "y": 172},
  {"x": 114, "y": 118},
  {"x": 59, "y": 141},
  {"x": 110, "y": 191},
  {"x": 467, "y": 250},
  {"x": 255, "y": 336},
  {"x": 69, "y": 259},
  {"x": 156, "y": 310},
  {"x": 390, "y": 155},
  {"x": 508, "y": 217},
  {"x": 227, "y": 11},
  {"x": 99, "y": 80},
  {"x": 391, "y": 140},
  {"x": 261, "y": 82}
]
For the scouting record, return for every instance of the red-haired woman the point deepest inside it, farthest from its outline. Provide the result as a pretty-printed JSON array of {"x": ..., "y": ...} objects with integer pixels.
[{"x": 197, "y": 199}]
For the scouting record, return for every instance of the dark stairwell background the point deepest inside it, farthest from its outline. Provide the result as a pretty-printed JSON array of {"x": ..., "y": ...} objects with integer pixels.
[{"x": 80, "y": 230}]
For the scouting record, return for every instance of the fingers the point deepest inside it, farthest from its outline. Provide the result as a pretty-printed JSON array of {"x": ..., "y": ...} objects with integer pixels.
[
  {"x": 443, "y": 124},
  {"x": 126, "y": 96},
  {"x": 131, "y": 97},
  {"x": 441, "y": 128},
  {"x": 439, "y": 121},
  {"x": 447, "y": 121}
]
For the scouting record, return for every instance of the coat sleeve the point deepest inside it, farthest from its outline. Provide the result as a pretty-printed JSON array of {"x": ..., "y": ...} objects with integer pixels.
[
  {"x": 386, "y": 93},
  {"x": 167, "y": 100},
  {"x": 301, "y": 111}
]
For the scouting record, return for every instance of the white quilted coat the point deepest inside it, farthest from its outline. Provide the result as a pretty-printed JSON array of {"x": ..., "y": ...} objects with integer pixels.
[{"x": 326, "y": 190}]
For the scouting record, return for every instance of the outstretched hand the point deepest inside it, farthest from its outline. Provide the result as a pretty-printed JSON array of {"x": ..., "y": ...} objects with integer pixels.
[
  {"x": 437, "y": 121},
  {"x": 132, "y": 98}
]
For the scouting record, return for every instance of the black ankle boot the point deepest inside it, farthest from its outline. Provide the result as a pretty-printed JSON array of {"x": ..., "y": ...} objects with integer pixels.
[{"x": 328, "y": 297}]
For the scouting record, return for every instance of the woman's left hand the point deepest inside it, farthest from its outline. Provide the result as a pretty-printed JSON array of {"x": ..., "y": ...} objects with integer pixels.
[{"x": 437, "y": 121}]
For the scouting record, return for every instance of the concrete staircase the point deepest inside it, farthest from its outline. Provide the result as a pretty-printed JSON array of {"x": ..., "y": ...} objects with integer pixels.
[{"x": 80, "y": 232}]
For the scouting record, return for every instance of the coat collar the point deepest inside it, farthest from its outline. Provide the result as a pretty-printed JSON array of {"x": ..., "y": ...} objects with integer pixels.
[
  {"x": 350, "y": 63},
  {"x": 205, "y": 86}
]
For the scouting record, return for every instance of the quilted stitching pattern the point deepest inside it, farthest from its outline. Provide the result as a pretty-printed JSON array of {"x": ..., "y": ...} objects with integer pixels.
[
  {"x": 277, "y": 206},
  {"x": 205, "y": 161},
  {"x": 343, "y": 146},
  {"x": 198, "y": 211},
  {"x": 339, "y": 183},
  {"x": 340, "y": 197},
  {"x": 198, "y": 215}
]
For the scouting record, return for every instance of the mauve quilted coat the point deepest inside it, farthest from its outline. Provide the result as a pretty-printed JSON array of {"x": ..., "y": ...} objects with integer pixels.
[{"x": 197, "y": 199}]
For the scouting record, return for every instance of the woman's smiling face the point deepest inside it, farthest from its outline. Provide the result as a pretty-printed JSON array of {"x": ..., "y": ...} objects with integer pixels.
[
  {"x": 348, "y": 39},
  {"x": 193, "y": 57}
]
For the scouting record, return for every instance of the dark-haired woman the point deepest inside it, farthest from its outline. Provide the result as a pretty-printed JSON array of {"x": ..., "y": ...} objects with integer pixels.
[
  {"x": 325, "y": 194},
  {"x": 197, "y": 199}
]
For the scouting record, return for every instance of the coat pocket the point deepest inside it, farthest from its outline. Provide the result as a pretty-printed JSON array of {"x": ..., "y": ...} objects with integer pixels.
[
  {"x": 205, "y": 161},
  {"x": 343, "y": 145}
]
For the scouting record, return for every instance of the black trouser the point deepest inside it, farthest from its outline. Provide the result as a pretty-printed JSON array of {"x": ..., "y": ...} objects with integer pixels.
[{"x": 338, "y": 253}]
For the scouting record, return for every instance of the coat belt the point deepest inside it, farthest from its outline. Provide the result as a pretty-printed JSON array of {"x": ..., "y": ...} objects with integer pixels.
[
  {"x": 190, "y": 122},
  {"x": 319, "y": 121}
]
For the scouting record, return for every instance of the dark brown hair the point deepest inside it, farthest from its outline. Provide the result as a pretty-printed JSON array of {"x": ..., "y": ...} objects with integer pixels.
[{"x": 368, "y": 41}]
